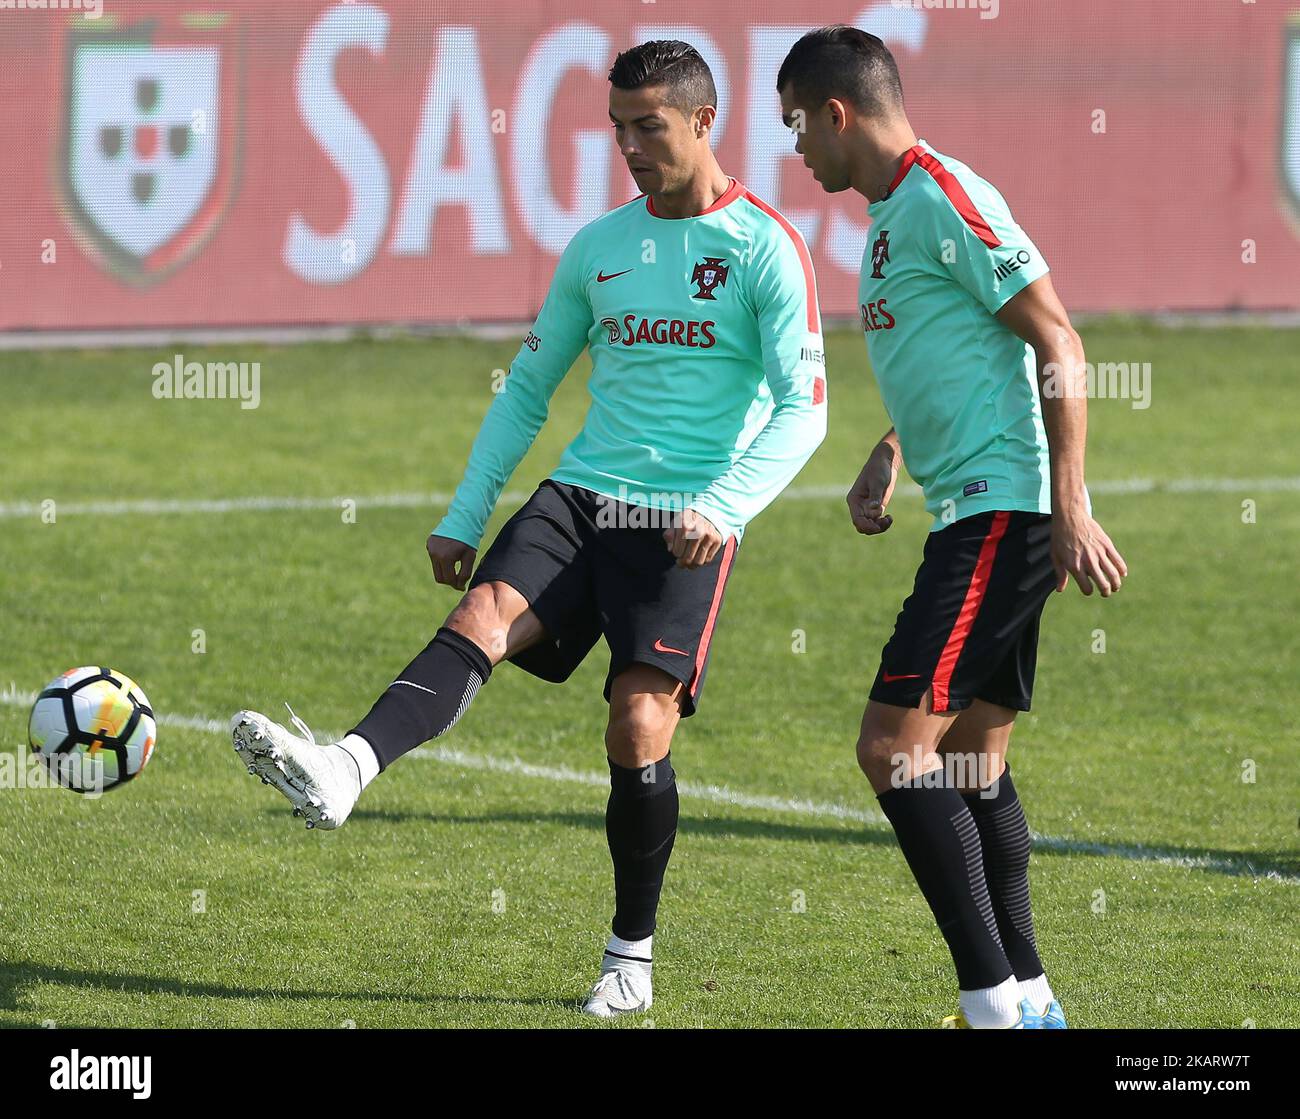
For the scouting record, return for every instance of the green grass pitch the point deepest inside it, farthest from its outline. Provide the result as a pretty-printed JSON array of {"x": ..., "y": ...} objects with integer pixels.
[{"x": 472, "y": 884}]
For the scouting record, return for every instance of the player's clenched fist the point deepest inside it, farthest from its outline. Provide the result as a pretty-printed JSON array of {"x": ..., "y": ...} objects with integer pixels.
[
  {"x": 871, "y": 492},
  {"x": 693, "y": 539},
  {"x": 452, "y": 560}
]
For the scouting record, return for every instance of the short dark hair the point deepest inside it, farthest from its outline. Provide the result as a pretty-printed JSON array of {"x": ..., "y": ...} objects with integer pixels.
[
  {"x": 670, "y": 63},
  {"x": 846, "y": 63}
]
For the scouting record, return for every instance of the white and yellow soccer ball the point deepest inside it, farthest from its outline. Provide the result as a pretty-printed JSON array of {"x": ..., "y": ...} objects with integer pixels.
[{"x": 93, "y": 729}]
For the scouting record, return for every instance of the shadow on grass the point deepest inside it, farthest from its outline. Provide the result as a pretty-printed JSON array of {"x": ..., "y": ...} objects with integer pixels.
[
  {"x": 1278, "y": 865},
  {"x": 709, "y": 826},
  {"x": 15, "y": 974}
]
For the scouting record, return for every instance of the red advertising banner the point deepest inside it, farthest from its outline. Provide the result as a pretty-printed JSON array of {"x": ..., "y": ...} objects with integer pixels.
[{"x": 421, "y": 161}]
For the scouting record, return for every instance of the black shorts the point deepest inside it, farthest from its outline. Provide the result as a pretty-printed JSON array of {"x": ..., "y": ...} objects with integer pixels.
[
  {"x": 590, "y": 565},
  {"x": 969, "y": 629}
]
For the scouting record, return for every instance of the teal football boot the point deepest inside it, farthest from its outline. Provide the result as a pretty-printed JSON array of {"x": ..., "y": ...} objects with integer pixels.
[{"x": 1053, "y": 1018}]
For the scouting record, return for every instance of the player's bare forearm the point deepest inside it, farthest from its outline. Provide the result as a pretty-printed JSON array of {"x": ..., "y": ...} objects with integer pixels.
[
  {"x": 1080, "y": 547},
  {"x": 1065, "y": 418},
  {"x": 890, "y": 440},
  {"x": 1037, "y": 316}
]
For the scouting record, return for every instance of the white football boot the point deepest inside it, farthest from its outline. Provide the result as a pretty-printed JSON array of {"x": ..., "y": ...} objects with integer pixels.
[
  {"x": 623, "y": 988},
  {"x": 321, "y": 782}
]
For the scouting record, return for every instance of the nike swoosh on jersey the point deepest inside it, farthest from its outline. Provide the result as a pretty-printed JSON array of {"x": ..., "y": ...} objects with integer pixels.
[
  {"x": 601, "y": 277},
  {"x": 660, "y": 647}
]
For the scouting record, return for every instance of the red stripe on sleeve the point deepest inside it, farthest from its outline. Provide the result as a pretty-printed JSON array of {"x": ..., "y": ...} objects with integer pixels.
[
  {"x": 979, "y": 582},
  {"x": 805, "y": 258},
  {"x": 959, "y": 198}
]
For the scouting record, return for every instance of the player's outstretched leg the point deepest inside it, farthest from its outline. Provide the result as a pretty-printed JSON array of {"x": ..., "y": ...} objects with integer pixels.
[
  {"x": 429, "y": 696},
  {"x": 940, "y": 840},
  {"x": 641, "y": 825},
  {"x": 322, "y": 782}
]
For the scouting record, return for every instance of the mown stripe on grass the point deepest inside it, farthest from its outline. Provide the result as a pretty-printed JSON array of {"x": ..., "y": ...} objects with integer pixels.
[
  {"x": 1241, "y": 866},
  {"x": 1118, "y": 487}
]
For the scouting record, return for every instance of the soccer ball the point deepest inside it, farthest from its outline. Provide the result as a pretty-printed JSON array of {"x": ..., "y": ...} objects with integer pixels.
[{"x": 93, "y": 729}]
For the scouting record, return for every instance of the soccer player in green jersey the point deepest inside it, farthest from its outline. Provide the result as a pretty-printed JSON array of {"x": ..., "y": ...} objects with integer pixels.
[
  {"x": 698, "y": 305},
  {"x": 962, "y": 325}
]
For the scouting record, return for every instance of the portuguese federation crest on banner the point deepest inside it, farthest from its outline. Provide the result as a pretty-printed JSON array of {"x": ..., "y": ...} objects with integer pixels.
[{"x": 149, "y": 151}]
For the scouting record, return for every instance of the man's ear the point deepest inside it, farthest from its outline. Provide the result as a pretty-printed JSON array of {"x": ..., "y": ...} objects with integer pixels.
[
  {"x": 839, "y": 114},
  {"x": 704, "y": 118}
]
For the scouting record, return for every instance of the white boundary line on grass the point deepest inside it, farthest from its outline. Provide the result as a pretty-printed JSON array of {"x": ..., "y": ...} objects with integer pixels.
[
  {"x": 735, "y": 798},
  {"x": 285, "y": 334},
  {"x": 1119, "y": 487}
]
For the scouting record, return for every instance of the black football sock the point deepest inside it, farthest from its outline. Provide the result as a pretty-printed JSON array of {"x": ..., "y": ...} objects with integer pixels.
[
  {"x": 427, "y": 697},
  {"x": 1004, "y": 840},
  {"x": 641, "y": 824},
  {"x": 941, "y": 843}
]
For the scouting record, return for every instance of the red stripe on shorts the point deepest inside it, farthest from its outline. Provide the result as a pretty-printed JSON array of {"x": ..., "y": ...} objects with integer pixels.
[
  {"x": 728, "y": 551},
  {"x": 979, "y": 583}
]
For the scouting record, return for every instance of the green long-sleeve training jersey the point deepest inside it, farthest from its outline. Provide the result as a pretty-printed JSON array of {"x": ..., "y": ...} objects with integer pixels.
[{"x": 708, "y": 385}]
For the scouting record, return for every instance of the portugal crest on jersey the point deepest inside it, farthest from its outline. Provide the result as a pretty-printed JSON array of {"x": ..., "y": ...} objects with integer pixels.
[
  {"x": 880, "y": 255},
  {"x": 148, "y": 157},
  {"x": 709, "y": 273},
  {"x": 1289, "y": 149}
]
